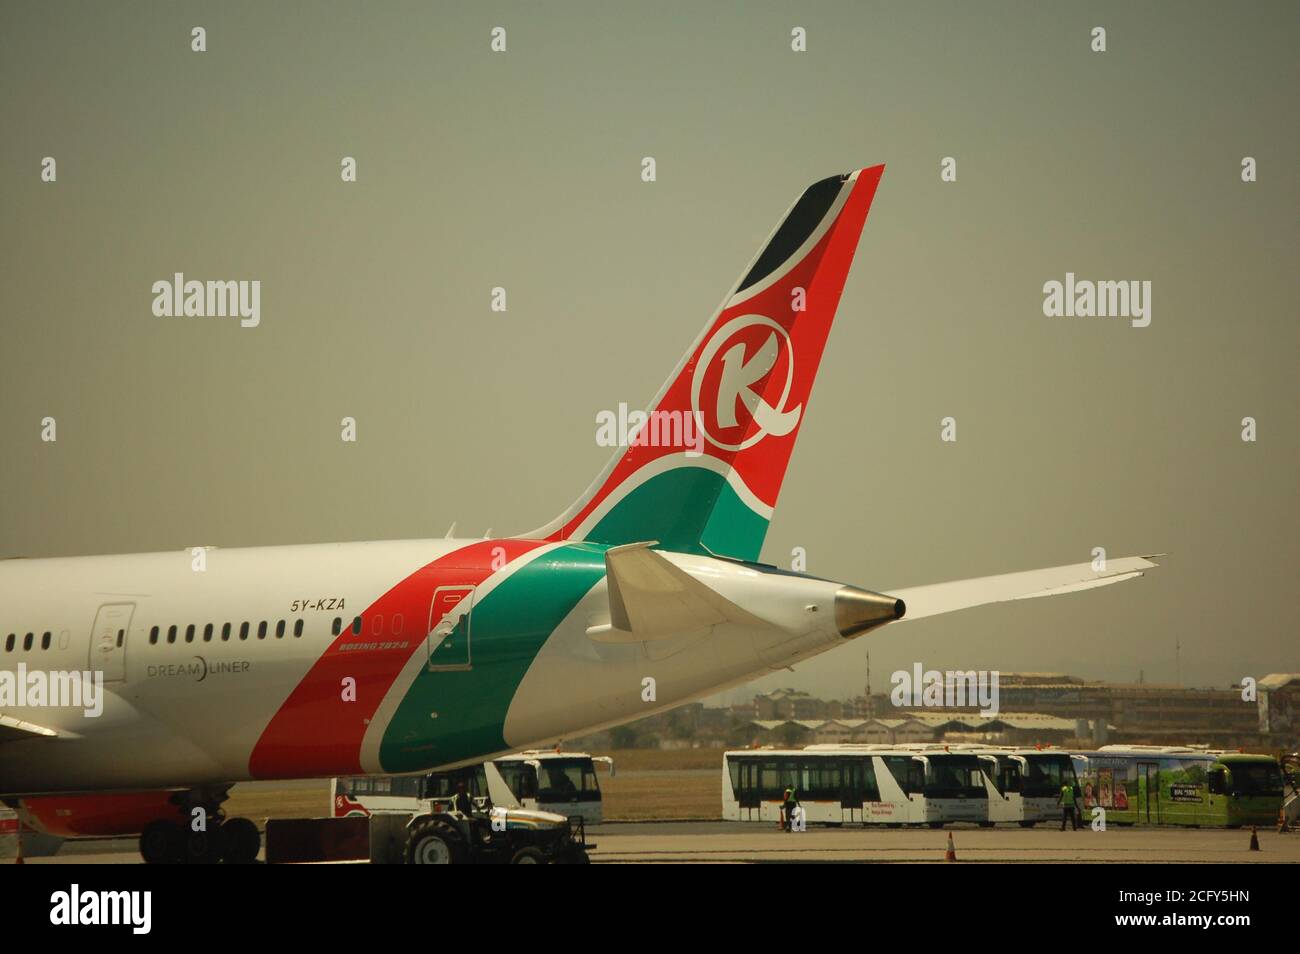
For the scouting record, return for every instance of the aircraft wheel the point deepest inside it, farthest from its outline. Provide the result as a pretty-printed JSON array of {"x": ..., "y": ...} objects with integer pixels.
[
  {"x": 204, "y": 847},
  {"x": 243, "y": 841},
  {"x": 434, "y": 843},
  {"x": 162, "y": 843},
  {"x": 528, "y": 856}
]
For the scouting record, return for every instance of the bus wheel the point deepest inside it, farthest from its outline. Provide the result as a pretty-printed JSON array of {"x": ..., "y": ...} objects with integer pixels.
[
  {"x": 243, "y": 841},
  {"x": 434, "y": 843},
  {"x": 528, "y": 856},
  {"x": 161, "y": 843}
]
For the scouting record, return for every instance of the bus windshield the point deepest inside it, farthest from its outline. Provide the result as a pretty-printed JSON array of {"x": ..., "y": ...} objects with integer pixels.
[
  {"x": 1046, "y": 774},
  {"x": 954, "y": 776},
  {"x": 1256, "y": 778},
  {"x": 558, "y": 780}
]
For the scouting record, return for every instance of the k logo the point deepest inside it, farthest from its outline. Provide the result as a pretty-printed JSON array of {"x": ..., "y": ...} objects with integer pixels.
[{"x": 734, "y": 391}]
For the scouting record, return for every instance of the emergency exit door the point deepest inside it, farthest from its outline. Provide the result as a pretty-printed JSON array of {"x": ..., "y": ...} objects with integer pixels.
[
  {"x": 108, "y": 640},
  {"x": 449, "y": 643}
]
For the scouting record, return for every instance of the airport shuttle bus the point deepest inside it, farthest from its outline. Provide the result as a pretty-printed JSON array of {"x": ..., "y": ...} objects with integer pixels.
[
  {"x": 868, "y": 785},
  {"x": 1171, "y": 785},
  {"x": 561, "y": 782},
  {"x": 550, "y": 781},
  {"x": 1024, "y": 784}
]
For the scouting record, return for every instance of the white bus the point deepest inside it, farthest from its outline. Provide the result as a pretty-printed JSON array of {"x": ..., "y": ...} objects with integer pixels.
[
  {"x": 1023, "y": 784},
  {"x": 546, "y": 780},
  {"x": 856, "y": 784}
]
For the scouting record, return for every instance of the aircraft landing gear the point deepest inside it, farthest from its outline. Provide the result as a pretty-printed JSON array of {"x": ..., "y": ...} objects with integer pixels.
[
  {"x": 162, "y": 843},
  {"x": 243, "y": 841},
  {"x": 236, "y": 841}
]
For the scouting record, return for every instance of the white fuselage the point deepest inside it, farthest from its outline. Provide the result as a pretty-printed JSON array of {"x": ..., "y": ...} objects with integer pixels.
[{"x": 191, "y": 711}]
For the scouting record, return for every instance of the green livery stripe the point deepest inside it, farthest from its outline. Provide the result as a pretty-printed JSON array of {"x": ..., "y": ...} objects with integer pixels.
[
  {"x": 688, "y": 510},
  {"x": 507, "y": 630}
]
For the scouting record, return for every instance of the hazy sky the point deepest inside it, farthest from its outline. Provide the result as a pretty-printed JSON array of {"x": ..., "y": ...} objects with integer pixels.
[{"x": 522, "y": 169}]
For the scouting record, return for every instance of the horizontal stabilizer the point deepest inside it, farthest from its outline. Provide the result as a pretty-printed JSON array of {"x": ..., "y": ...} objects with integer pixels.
[
  {"x": 14, "y": 730},
  {"x": 940, "y": 598},
  {"x": 652, "y": 598}
]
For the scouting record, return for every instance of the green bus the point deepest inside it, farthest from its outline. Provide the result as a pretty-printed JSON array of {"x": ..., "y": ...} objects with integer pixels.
[{"x": 1172, "y": 785}]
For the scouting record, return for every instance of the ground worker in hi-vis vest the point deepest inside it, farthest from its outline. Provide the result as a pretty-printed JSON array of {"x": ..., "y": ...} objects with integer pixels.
[
  {"x": 788, "y": 805},
  {"x": 1066, "y": 801}
]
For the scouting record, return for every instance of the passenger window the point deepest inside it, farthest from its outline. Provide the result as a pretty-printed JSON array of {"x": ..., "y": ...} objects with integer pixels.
[
  {"x": 356, "y": 626},
  {"x": 9, "y": 643},
  {"x": 279, "y": 630},
  {"x": 171, "y": 634},
  {"x": 377, "y": 624},
  {"x": 397, "y": 625},
  {"x": 45, "y": 641},
  {"x": 243, "y": 630},
  {"x": 189, "y": 633},
  {"x": 297, "y": 627},
  {"x": 261, "y": 630},
  {"x": 27, "y": 641},
  {"x": 337, "y": 627},
  {"x": 225, "y": 632},
  {"x": 207, "y": 633},
  {"x": 153, "y": 636}
]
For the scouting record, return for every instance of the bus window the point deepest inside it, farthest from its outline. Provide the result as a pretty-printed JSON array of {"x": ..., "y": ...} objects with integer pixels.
[
  {"x": 1255, "y": 778},
  {"x": 870, "y": 790},
  {"x": 1010, "y": 777},
  {"x": 567, "y": 780},
  {"x": 1215, "y": 782},
  {"x": 733, "y": 769},
  {"x": 519, "y": 779},
  {"x": 824, "y": 779}
]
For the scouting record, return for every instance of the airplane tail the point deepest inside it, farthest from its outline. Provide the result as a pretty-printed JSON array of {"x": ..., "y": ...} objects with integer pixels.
[{"x": 702, "y": 468}]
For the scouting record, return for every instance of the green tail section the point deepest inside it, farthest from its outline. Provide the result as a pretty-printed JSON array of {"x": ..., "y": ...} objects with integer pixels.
[
  {"x": 688, "y": 510},
  {"x": 508, "y": 628}
]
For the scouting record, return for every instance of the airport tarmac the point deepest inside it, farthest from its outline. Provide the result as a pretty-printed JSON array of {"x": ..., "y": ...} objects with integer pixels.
[{"x": 735, "y": 842}]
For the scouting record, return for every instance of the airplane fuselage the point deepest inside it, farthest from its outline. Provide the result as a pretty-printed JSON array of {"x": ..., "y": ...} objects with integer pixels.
[{"x": 319, "y": 660}]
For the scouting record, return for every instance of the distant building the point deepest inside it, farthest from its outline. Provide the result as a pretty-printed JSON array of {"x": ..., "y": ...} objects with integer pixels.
[{"x": 1279, "y": 708}]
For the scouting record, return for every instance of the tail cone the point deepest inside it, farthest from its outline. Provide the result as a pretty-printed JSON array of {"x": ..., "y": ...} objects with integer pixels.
[{"x": 857, "y": 611}]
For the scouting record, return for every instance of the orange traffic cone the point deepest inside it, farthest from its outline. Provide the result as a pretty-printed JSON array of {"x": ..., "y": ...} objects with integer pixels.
[
  {"x": 951, "y": 853},
  {"x": 1254, "y": 839},
  {"x": 1281, "y": 821}
]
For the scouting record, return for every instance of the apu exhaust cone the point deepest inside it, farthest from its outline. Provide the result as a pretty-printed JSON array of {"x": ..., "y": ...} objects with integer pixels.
[{"x": 857, "y": 611}]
